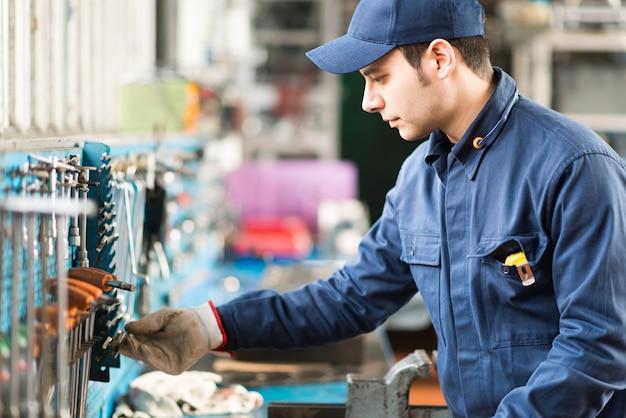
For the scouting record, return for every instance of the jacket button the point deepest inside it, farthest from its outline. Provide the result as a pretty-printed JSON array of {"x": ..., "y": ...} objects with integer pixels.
[
  {"x": 412, "y": 250},
  {"x": 505, "y": 269}
]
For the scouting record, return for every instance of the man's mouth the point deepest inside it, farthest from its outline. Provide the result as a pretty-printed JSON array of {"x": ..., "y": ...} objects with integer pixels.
[{"x": 392, "y": 122}]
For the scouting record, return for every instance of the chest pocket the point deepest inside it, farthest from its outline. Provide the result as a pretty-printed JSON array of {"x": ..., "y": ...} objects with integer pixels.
[
  {"x": 421, "y": 248},
  {"x": 516, "y": 315}
]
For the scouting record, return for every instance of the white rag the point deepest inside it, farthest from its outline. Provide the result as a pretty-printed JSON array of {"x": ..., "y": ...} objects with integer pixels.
[{"x": 190, "y": 393}]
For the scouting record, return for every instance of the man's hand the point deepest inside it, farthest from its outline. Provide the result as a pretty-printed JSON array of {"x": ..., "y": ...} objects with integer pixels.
[{"x": 172, "y": 340}]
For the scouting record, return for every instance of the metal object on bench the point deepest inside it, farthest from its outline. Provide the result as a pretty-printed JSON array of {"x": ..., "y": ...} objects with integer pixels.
[
  {"x": 368, "y": 396},
  {"x": 388, "y": 397}
]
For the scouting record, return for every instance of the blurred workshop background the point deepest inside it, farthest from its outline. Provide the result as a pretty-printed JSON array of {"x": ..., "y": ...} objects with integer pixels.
[{"x": 165, "y": 152}]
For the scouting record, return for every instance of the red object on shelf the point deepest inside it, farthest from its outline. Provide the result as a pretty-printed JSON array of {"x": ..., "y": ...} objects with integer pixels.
[{"x": 287, "y": 237}]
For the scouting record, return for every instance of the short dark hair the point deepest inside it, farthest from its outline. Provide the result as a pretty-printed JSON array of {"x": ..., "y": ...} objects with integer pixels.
[{"x": 473, "y": 49}]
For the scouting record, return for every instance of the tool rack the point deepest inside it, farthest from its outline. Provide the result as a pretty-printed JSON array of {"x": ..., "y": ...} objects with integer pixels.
[{"x": 92, "y": 235}]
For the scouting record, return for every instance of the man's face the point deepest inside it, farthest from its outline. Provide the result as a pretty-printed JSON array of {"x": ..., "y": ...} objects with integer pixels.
[{"x": 405, "y": 97}]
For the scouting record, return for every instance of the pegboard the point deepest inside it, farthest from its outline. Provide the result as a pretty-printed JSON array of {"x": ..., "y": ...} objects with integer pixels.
[{"x": 120, "y": 210}]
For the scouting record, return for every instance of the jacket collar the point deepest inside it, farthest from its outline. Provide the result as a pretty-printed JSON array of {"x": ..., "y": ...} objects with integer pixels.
[{"x": 469, "y": 151}]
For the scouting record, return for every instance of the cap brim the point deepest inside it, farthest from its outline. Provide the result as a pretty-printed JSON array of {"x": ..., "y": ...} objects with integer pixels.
[{"x": 347, "y": 54}]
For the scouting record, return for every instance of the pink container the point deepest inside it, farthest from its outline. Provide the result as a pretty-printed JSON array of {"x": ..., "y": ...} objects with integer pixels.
[{"x": 284, "y": 188}]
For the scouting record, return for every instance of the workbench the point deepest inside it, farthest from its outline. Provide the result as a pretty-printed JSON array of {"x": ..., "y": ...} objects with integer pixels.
[
  {"x": 310, "y": 383},
  {"x": 278, "y": 376}
]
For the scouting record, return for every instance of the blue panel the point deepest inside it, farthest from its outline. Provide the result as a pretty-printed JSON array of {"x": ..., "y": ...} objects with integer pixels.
[{"x": 23, "y": 268}]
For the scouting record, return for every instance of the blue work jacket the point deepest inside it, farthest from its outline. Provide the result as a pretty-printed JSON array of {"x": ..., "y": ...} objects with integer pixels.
[{"x": 523, "y": 179}]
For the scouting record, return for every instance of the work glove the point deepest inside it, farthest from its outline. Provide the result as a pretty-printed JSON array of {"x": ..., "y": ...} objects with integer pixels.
[{"x": 172, "y": 340}]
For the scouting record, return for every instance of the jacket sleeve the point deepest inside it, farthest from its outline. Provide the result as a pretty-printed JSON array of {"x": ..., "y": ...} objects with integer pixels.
[
  {"x": 587, "y": 362},
  {"x": 354, "y": 300}
]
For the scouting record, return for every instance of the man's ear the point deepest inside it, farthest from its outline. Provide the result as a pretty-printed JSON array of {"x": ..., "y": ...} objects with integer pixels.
[{"x": 444, "y": 57}]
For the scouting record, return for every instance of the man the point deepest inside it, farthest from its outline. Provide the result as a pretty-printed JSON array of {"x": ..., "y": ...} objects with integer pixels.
[{"x": 510, "y": 220}]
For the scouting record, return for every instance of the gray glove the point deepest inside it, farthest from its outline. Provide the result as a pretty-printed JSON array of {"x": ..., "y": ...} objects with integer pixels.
[{"x": 172, "y": 340}]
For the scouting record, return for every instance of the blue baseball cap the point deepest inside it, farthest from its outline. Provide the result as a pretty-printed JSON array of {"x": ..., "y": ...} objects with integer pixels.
[{"x": 378, "y": 26}]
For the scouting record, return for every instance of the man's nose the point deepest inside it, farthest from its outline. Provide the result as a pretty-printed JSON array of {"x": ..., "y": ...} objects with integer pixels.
[{"x": 372, "y": 102}]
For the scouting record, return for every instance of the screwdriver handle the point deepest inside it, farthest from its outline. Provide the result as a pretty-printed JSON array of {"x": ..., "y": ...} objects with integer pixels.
[
  {"x": 76, "y": 297},
  {"x": 100, "y": 278},
  {"x": 94, "y": 291},
  {"x": 51, "y": 317},
  {"x": 93, "y": 276}
]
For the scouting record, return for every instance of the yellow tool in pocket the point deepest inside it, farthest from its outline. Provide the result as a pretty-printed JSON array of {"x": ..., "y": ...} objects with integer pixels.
[{"x": 523, "y": 268}]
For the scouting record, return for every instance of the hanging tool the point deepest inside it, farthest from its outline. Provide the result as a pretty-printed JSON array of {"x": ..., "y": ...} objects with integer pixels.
[
  {"x": 74, "y": 230},
  {"x": 45, "y": 374},
  {"x": 4, "y": 234},
  {"x": 100, "y": 278},
  {"x": 90, "y": 289},
  {"x": 83, "y": 181},
  {"x": 49, "y": 314},
  {"x": 32, "y": 406},
  {"x": 4, "y": 373},
  {"x": 111, "y": 345},
  {"x": 76, "y": 297},
  {"x": 14, "y": 398},
  {"x": 63, "y": 299},
  {"x": 80, "y": 294}
]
